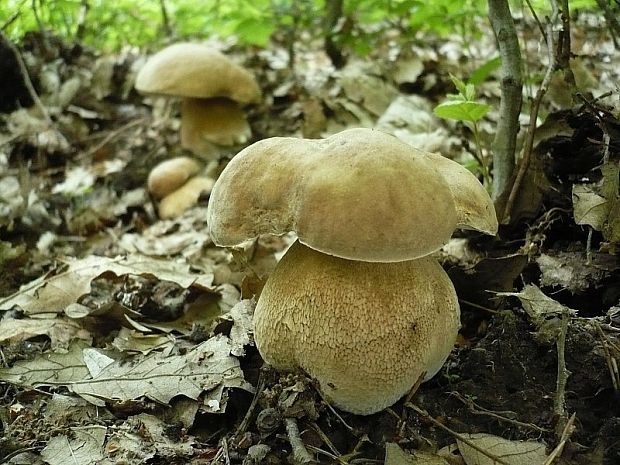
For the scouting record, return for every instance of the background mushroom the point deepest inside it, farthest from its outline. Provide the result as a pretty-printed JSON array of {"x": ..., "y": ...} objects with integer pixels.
[
  {"x": 212, "y": 88},
  {"x": 357, "y": 303}
]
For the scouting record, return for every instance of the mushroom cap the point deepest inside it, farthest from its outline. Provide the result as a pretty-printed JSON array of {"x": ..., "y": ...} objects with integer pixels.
[
  {"x": 205, "y": 122},
  {"x": 474, "y": 207},
  {"x": 171, "y": 174},
  {"x": 196, "y": 70},
  {"x": 360, "y": 194},
  {"x": 365, "y": 331},
  {"x": 184, "y": 197}
]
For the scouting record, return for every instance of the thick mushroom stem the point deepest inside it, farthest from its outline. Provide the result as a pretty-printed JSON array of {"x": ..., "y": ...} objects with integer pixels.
[
  {"x": 206, "y": 122},
  {"x": 365, "y": 331}
]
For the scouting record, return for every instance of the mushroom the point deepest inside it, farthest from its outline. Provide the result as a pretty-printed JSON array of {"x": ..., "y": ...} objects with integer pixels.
[
  {"x": 357, "y": 302},
  {"x": 178, "y": 185},
  {"x": 212, "y": 88}
]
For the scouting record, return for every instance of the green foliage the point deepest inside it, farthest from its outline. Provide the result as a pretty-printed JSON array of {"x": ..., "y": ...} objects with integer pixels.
[
  {"x": 113, "y": 24},
  {"x": 462, "y": 106}
]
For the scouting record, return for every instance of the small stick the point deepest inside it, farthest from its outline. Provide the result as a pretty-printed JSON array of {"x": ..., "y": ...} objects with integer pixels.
[
  {"x": 350, "y": 428},
  {"x": 325, "y": 439},
  {"x": 458, "y": 436},
  {"x": 243, "y": 426},
  {"x": 559, "y": 405},
  {"x": 479, "y": 410},
  {"x": 300, "y": 453},
  {"x": 611, "y": 366},
  {"x": 113, "y": 134},
  {"x": 531, "y": 131},
  {"x": 566, "y": 434},
  {"x": 479, "y": 307}
]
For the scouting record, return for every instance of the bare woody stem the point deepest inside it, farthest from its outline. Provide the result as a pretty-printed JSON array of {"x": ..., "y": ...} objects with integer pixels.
[{"x": 504, "y": 143}]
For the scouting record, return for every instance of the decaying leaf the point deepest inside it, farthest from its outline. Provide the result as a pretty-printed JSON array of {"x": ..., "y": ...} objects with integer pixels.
[
  {"x": 512, "y": 452},
  {"x": 598, "y": 204},
  {"x": 394, "y": 455},
  {"x": 83, "y": 447},
  {"x": 129, "y": 340},
  {"x": 60, "y": 330},
  {"x": 53, "y": 368},
  {"x": 77, "y": 181},
  {"x": 52, "y": 294},
  {"x": 241, "y": 315},
  {"x": 571, "y": 270},
  {"x": 545, "y": 312},
  {"x": 161, "y": 378}
]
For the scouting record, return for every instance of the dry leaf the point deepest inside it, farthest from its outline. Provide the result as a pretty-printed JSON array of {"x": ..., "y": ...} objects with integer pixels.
[
  {"x": 51, "y": 368},
  {"x": 60, "y": 330},
  {"x": 545, "y": 312},
  {"x": 52, "y": 294},
  {"x": 161, "y": 378},
  {"x": 394, "y": 455},
  {"x": 83, "y": 447},
  {"x": 512, "y": 452}
]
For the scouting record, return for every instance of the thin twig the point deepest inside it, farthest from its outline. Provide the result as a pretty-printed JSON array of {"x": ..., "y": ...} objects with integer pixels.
[
  {"x": 559, "y": 405},
  {"x": 566, "y": 434},
  {"x": 249, "y": 414},
  {"x": 531, "y": 130},
  {"x": 479, "y": 307},
  {"x": 334, "y": 457},
  {"x": 7, "y": 458},
  {"x": 612, "y": 365},
  {"x": 458, "y": 436},
  {"x": 325, "y": 438},
  {"x": 476, "y": 409},
  {"x": 337, "y": 415},
  {"x": 300, "y": 453},
  {"x": 112, "y": 135}
]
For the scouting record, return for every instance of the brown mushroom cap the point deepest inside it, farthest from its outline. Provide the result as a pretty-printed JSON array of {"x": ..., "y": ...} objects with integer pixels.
[
  {"x": 474, "y": 207},
  {"x": 359, "y": 194},
  {"x": 205, "y": 122},
  {"x": 381, "y": 324},
  {"x": 196, "y": 70},
  {"x": 171, "y": 174}
]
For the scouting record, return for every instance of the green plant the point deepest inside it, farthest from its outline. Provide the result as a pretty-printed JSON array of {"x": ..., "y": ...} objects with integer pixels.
[{"x": 464, "y": 107}]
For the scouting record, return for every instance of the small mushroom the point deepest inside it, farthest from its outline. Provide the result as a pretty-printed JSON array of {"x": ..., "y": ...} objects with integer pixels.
[
  {"x": 357, "y": 302},
  {"x": 212, "y": 88},
  {"x": 178, "y": 185},
  {"x": 171, "y": 174},
  {"x": 186, "y": 196}
]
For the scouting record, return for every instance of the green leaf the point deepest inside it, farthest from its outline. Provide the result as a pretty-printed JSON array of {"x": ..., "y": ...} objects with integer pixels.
[
  {"x": 461, "y": 111},
  {"x": 254, "y": 31},
  {"x": 460, "y": 85}
]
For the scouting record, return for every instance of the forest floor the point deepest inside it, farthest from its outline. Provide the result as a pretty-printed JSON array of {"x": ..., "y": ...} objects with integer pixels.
[{"x": 106, "y": 311}]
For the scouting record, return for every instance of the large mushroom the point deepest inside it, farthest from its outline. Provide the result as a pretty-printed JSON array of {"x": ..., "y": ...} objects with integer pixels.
[
  {"x": 356, "y": 302},
  {"x": 212, "y": 87}
]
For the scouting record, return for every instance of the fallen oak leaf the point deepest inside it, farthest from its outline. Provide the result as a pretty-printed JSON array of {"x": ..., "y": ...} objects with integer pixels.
[{"x": 52, "y": 293}]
